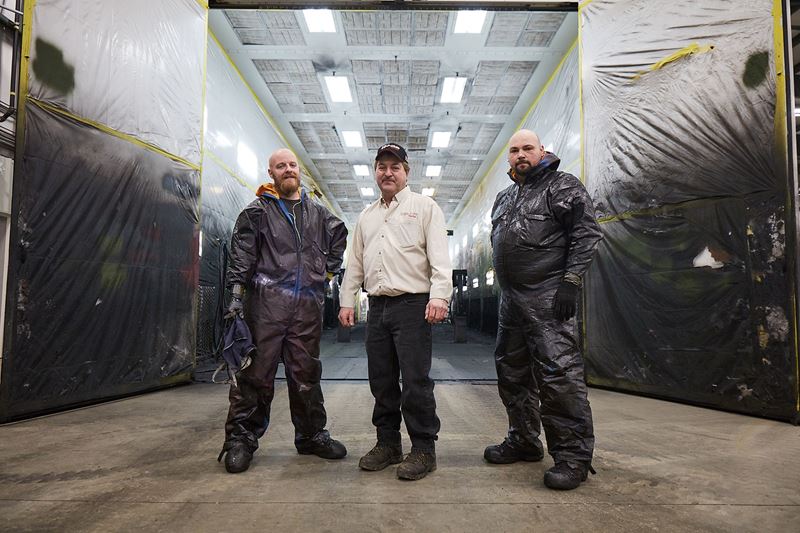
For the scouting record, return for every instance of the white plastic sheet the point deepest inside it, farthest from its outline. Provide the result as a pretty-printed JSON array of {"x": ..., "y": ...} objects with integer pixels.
[{"x": 136, "y": 67}]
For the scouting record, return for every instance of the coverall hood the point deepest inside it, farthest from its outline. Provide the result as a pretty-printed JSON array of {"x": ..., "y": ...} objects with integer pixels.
[
  {"x": 269, "y": 189},
  {"x": 550, "y": 161}
]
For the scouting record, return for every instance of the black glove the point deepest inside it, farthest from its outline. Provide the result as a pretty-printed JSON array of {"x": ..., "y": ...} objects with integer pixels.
[
  {"x": 565, "y": 302},
  {"x": 235, "y": 307}
]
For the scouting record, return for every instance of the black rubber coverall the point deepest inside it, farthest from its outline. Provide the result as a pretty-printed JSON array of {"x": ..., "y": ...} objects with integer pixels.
[
  {"x": 283, "y": 267},
  {"x": 542, "y": 229}
]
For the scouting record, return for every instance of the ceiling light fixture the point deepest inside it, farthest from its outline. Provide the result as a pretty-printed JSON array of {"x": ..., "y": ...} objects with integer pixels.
[
  {"x": 469, "y": 21},
  {"x": 428, "y": 191},
  {"x": 441, "y": 139},
  {"x": 433, "y": 171},
  {"x": 452, "y": 90},
  {"x": 338, "y": 88},
  {"x": 361, "y": 170},
  {"x": 367, "y": 191},
  {"x": 352, "y": 139},
  {"x": 319, "y": 20}
]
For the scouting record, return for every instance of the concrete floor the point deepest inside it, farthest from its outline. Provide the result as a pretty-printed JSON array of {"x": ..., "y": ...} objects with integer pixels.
[{"x": 149, "y": 464}]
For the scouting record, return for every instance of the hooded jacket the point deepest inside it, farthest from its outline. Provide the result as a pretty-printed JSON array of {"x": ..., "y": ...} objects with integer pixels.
[
  {"x": 543, "y": 228},
  {"x": 270, "y": 253}
]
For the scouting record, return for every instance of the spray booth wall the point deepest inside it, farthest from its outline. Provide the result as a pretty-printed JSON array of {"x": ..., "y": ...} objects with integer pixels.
[
  {"x": 104, "y": 249},
  {"x": 691, "y": 295}
]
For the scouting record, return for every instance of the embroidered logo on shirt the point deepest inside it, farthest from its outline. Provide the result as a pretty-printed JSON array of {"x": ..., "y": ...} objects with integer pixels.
[{"x": 409, "y": 215}]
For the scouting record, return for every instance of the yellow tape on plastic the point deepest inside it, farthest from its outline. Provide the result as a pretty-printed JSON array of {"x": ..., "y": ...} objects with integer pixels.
[
  {"x": 692, "y": 49},
  {"x": 106, "y": 129},
  {"x": 24, "y": 68},
  {"x": 781, "y": 153},
  {"x": 214, "y": 157}
]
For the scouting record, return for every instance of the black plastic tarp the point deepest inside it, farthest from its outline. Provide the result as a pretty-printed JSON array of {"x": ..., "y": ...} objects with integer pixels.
[
  {"x": 689, "y": 297},
  {"x": 103, "y": 270}
]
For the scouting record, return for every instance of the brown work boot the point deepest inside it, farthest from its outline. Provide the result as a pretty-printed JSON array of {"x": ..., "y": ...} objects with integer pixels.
[
  {"x": 417, "y": 465},
  {"x": 381, "y": 456}
]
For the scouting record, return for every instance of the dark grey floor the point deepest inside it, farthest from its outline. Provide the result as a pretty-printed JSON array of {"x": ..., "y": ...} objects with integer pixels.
[{"x": 470, "y": 361}]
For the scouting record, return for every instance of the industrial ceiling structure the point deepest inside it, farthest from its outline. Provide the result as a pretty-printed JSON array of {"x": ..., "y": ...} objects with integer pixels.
[{"x": 451, "y": 88}]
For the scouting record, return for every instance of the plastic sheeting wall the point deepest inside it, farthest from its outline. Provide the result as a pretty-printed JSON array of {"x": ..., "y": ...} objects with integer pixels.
[
  {"x": 690, "y": 295},
  {"x": 104, "y": 258},
  {"x": 556, "y": 118},
  {"x": 238, "y": 142}
]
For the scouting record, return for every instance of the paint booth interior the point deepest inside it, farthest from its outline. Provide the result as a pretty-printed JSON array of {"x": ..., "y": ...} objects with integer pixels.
[{"x": 126, "y": 189}]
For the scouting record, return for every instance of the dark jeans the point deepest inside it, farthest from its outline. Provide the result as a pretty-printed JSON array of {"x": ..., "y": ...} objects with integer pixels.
[
  {"x": 399, "y": 343},
  {"x": 538, "y": 360}
]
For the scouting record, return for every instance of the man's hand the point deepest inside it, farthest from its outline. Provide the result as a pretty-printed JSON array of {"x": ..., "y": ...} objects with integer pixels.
[
  {"x": 347, "y": 317},
  {"x": 235, "y": 308},
  {"x": 436, "y": 310},
  {"x": 565, "y": 302}
]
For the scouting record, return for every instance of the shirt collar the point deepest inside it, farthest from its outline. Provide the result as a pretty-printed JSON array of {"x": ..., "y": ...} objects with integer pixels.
[{"x": 400, "y": 197}]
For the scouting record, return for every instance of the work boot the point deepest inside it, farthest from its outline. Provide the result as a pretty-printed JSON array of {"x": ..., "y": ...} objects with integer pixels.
[
  {"x": 567, "y": 475},
  {"x": 381, "y": 456},
  {"x": 417, "y": 465},
  {"x": 237, "y": 457},
  {"x": 507, "y": 453},
  {"x": 322, "y": 445}
]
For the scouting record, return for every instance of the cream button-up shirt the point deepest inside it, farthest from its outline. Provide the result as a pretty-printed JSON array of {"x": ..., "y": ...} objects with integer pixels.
[{"x": 399, "y": 248}]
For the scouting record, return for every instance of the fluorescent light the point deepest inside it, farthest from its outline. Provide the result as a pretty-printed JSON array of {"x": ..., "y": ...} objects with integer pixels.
[
  {"x": 469, "y": 21},
  {"x": 440, "y": 139},
  {"x": 452, "y": 90},
  {"x": 338, "y": 88},
  {"x": 428, "y": 191},
  {"x": 490, "y": 277},
  {"x": 361, "y": 170},
  {"x": 319, "y": 20},
  {"x": 433, "y": 171},
  {"x": 352, "y": 139},
  {"x": 367, "y": 191}
]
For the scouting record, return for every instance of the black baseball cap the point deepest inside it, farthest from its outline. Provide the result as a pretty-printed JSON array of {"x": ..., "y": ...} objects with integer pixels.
[{"x": 395, "y": 149}]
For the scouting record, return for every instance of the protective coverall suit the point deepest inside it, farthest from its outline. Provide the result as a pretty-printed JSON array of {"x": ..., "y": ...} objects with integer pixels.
[
  {"x": 282, "y": 256},
  {"x": 542, "y": 229}
]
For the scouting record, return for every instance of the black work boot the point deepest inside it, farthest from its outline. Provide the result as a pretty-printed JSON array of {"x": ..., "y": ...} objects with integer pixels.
[
  {"x": 567, "y": 475},
  {"x": 381, "y": 456},
  {"x": 507, "y": 453},
  {"x": 322, "y": 445},
  {"x": 417, "y": 465},
  {"x": 237, "y": 457}
]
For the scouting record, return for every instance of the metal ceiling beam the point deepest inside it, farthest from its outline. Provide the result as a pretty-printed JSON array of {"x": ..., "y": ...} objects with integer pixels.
[{"x": 496, "y": 5}]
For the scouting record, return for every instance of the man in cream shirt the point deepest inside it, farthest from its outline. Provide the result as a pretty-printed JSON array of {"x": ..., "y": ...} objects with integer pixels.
[{"x": 399, "y": 253}]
